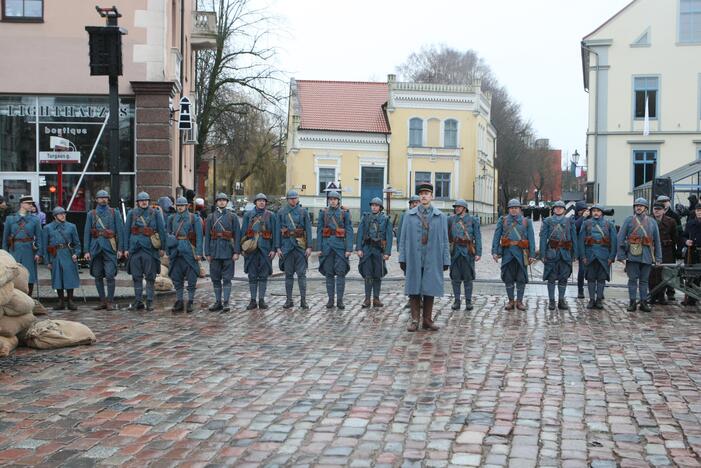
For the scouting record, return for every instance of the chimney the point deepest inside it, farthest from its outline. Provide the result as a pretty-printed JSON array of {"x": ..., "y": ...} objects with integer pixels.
[{"x": 391, "y": 78}]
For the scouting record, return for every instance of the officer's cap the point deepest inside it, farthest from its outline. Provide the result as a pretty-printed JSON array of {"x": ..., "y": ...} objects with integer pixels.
[{"x": 424, "y": 187}]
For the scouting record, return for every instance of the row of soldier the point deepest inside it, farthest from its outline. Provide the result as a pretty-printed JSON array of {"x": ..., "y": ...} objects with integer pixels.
[{"x": 146, "y": 236}]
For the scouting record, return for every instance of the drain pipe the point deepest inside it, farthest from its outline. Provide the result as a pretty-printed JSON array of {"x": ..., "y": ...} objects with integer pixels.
[{"x": 596, "y": 115}]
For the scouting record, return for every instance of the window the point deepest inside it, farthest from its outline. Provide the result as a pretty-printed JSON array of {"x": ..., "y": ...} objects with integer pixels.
[
  {"x": 326, "y": 176},
  {"x": 22, "y": 10},
  {"x": 644, "y": 166},
  {"x": 416, "y": 132},
  {"x": 450, "y": 133},
  {"x": 689, "y": 20},
  {"x": 646, "y": 89},
  {"x": 442, "y": 189},
  {"x": 421, "y": 178}
]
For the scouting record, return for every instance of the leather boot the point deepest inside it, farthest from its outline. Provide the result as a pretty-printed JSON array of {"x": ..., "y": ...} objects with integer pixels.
[
  {"x": 377, "y": 303},
  {"x": 71, "y": 306},
  {"x": 428, "y": 314},
  {"x": 177, "y": 307},
  {"x": 303, "y": 304},
  {"x": 631, "y": 306},
  {"x": 101, "y": 306},
  {"x": 60, "y": 306},
  {"x": 109, "y": 306},
  {"x": 551, "y": 304},
  {"x": 456, "y": 305},
  {"x": 366, "y": 303},
  {"x": 149, "y": 306},
  {"x": 599, "y": 304},
  {"x": 262, "y": 304},
  {"x": 329, "y": 304},
  {"x": 645, "y": 307},
  {"x": 415, "y": 307},
  {"x": 225, "y": 308},
  {"x": 252, "y": 305},
  {"x": 216, "y": 307},
  {"x": 591, "y": 304},
  {"x": 520, "y": 305},
  {"x": 562, "y": 305},
  {"x": 468, "y": 305},
  {"x": 510, "y": 305},
  {"x": 190, "y": 307},
  {"x": 340, "y": 305},
  {"x": 288, "y": 304}
]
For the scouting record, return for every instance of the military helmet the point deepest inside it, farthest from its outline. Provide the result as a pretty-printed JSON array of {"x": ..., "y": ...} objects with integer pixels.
[
  {"x": 102, "y": 194},
  {"x": 514, "y": 203},
  {"x": 377, "y": 201},
  {"x": 260, "y": 196},
  {"x": 414, "y": 198},
  {"x": 333, "y": 194},
  {"x": 221, "y": 196},
  {"x": 180, "y": 201},
  {"x": 292, "y": 194},
  {"x": 58, "y": 210},
  {"x": 460, "y": 202},
  {"x": 143, "y": 196},
  {"x": 641, "y": 201},
  {"x": 559, "y": 204},
  {"x": 598, "y": 206}
]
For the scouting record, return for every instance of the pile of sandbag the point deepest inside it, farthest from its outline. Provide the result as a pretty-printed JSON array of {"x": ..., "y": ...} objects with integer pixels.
[
  {"x": 18, "y": 311},
  {"x": 163, "y": 281}
]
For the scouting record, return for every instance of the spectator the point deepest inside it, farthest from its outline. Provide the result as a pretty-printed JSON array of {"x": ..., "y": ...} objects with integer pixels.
[
  {"x": 39, "y": 214},
  {"x": 5, "y": 211}
]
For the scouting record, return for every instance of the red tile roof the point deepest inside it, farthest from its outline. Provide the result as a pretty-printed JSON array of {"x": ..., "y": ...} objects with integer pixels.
[{"x": 346, "y": 106}]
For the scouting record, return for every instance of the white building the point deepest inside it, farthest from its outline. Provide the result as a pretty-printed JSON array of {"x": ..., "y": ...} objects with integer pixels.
[{"x": 649, "y": 52}]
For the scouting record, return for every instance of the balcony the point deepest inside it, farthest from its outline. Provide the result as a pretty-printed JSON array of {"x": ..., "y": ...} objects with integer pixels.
[{"x": 204, "y": 30}]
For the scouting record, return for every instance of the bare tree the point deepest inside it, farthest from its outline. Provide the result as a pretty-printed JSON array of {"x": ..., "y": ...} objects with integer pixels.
[
  {"x": 542, "y": 176},
  {"x": 441, "y": 64},
  {"x": 236, "y": 77}
]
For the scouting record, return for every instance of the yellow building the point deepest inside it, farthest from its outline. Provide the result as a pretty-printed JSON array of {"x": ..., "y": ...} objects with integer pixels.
[{"x": 372, "y": 137}]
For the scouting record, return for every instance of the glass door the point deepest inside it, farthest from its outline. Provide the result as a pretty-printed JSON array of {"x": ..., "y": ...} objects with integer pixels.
[{"x": 13, "y": 187}]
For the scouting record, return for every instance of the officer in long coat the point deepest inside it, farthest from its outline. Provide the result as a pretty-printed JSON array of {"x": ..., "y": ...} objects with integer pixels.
[
  {"x": 670, "y": 212},
  {"x": 558, "y": 249},
  {"x": 103, "y": 238},
  {"x": 334, "y": 235},
  {"x": 22, "y": 238},
  {"x": 668, "y": 240},
  {"x": 465, "y": 238},
  {"x": 374, "y": 247},
  {"x": 639, "y": 248},
  {"x": 514, "y": 244},
  {"x": 143, "y": 257},
  {"x": 413, "y": 203},
  {"x": 597, "y": 251},
  {"x": 424, "y": 255},
  {"x": 691, "y": 239},
  {"x": 260, "y": 225},
  {"x": 184, "y": 248},
  {"x": 294, "y": 247},
  {"x": 222, "y": 246},
  {"x": 61, "y": 247}
]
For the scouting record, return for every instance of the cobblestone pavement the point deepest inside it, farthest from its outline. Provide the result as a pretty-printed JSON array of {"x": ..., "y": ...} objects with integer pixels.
[{"x": 577, "y": 388}]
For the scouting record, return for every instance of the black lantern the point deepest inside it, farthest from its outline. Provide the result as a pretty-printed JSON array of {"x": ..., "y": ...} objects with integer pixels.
[{"x": 105, "y": 50}]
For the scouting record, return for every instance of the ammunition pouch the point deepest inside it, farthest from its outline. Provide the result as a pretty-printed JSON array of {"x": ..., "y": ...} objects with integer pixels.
[
  {"x": 521, "y": 244},
  {"x": 591, "y": 241},
  {"x": 560, "y": 244},
  {"x": 228, "y": 235}
]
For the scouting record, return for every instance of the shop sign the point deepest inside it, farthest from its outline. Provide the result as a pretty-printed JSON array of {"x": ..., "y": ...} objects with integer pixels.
[{"x": 59, "y": 156}]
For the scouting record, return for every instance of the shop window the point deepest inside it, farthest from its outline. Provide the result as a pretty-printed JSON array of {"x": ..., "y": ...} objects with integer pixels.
[
  {"x": 18, "y": 134},
  {"x": 326, "y": 176},
  {"x": 442, "y": 188},
  {"x": 421, "y": 178}
]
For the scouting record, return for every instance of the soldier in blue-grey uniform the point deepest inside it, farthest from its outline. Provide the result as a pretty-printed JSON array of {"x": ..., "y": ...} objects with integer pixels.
[
  {"x": 639, "y": 248},
  {"x": 581, "y": 213},
  {"x": 60, "y": 248},
  {"x": 222, "y": 246},
  {"x": 414, "y": 201},
  {"x": 103, "y": 238},
  {"x": 374, "y": 247},
  {"x": 514, "y": 244},
  {"x": 465, "y": 238},
  {"x": 597, "y": 251},
  {"x": 22, "y": 238},
  {"x": 424, "y": 256},
  {"x": 558, "y": 249},
  {"x": 143, "y": 249},
  {"x": 184, "y": 247},
  {"x": 334, "y": 235},
  {"x": 259, "y": 230},
  {"x": 294, "y": 247}
]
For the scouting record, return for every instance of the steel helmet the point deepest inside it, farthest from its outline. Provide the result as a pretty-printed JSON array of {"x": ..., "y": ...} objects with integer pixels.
[
  {"x": 641, "y": 201},
  {"x": 460, "y": 202},
  {"x": 260, "y": 196},
  {"x": 333, "y": 194},
  {"x": 377, "y": 201},
  {"x": 102, "y": 194},
  {"x": 180, "y": 201},
  {"x": 221, "y": 196},
  {"x": 143, "y": 196},
  {"x": 514, "y": 203},
  {"x": 58, "y": 210},
  {"x": 414, "y": 198},
  {"x": 559, "y": 204},
  {"x": 292, "y": 194}
]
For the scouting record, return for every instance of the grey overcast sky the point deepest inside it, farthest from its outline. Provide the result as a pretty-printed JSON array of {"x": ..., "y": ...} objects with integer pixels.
[{"x": 531, "y": 45}]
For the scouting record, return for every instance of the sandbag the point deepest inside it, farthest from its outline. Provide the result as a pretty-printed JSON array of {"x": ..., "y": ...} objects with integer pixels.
[
  {"x": 8, "y": 267},
  {"x": 7, "y": 345},
  {"x": 21, "y": 280},
  {"x": 6, "y": 292},
  {"x": 13, "y": 326},
  {"x": 39, "y": 309},
  {"x": 163, "y": 284},
  {"x": 52, "y": 334},
  {"x": 20, "y": 304}
]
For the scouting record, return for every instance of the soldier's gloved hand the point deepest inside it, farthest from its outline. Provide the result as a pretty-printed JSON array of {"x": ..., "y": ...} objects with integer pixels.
[
  {"x": 496, "y": 258},
  {"x": 348, "y": 254},
  {"x": 360, "y": 253},
  {"x": 74, "y": 258},
  {"x": 308, "y": 252},
  {"x": 161, "y": 253},
  {"x": 478, "y": 258},
  {"x": 271, "y": 254},
  {"x": 531, "y": 261},
  {"x": 235, "y": 257},
  {"x": 402, "y": 265},
  {"x": 87, "y": 256},
  {"x": 209, "y": 258},
  {"x": 386, "y": 257},
  {"x": 126, "y": 254},
  {"x": 120, "y": 254},
  {"x": 279, "y": 252}
]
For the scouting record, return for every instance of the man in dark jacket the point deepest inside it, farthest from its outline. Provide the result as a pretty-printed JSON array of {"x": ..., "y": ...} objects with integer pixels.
[
  {"x": 668, "y": 238},
  {"x": 693, "y": 201},
  {"x": 691, "y": 238},
  {"x": 581, "y": 213},
  {"x": 5, "y": 211}
]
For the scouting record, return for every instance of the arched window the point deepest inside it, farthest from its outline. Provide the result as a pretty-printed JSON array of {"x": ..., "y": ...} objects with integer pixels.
[
  {"x": 416, "y": 132},
  {"x": 450, "y": 133}
]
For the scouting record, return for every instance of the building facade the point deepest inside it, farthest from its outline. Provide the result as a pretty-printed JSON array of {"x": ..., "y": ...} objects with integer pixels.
[
  {"x": 643, "y": 74},
  {"x": 46, "y": 90},
  {"x": 383, "y": 139}
]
